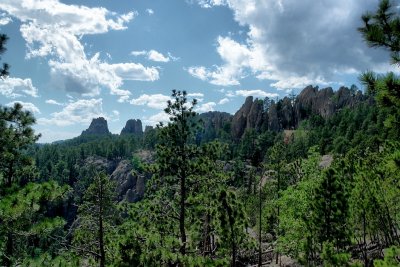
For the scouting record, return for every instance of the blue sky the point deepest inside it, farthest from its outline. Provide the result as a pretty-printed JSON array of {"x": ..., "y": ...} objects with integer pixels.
[{"x": 74, "y": 60}]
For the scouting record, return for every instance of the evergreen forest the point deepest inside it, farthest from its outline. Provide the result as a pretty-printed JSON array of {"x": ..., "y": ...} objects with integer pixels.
[{"x": 306, "y": 180}]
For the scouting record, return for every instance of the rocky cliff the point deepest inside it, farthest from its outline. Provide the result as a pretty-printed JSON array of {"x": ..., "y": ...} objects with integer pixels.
[
  {"x": 97, "y": 127},
  {"x": 287, "y": 113},
  {"x": 133, "y": 127}
]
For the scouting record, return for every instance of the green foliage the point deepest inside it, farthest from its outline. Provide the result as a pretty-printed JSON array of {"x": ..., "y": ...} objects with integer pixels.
[
  {"x": 4, "y": 70},
  {"x": 392, "y": 258},
  {"x": 137, "y": 164},
  {"x": 16, "y": 136},
  {"x": 298, "y": 234},
  {"x": 96, "y": 217},
  {"x": 382, "y": 29},
  {"x": 386, "y": 89},
  {"x": 331, "y": 258},
  {"x": 181, "y": 220}
]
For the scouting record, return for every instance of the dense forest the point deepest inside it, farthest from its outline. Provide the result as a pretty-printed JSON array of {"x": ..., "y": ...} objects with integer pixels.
[{"x": 306, "y": 180}]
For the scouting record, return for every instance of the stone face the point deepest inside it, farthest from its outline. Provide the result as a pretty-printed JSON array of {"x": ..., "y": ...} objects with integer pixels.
[
  {"x": 133, "y": 127},
  {"x": 97, "y": 127},
  {"x": 239, "y": 120},
  {"x": 250, "y": 115},
  {"x": 273, "y": 120},
  {"x": 215, "y": 119},
  {"x": 130, "y": 185}
]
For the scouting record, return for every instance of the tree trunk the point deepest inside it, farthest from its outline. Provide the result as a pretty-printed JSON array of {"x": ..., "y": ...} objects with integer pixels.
[
  {"x": 101, "y": 229},
  {"x": 9, "y": 250},
  {"x": 259, "y": 233}
]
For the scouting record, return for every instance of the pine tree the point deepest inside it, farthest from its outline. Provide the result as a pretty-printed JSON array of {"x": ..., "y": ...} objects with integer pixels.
[
  {"x": 95, "y": 219},
  {"x": 181, "y": 219},
  {"x": 4, "y": 70},
  {"x": 382, "y": 29},
  {"x": 23, "y": 204}
]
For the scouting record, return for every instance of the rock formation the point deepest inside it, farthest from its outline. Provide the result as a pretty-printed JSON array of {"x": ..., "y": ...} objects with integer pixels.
[
  {"x": 130, "y": 185},
  {"x": 250, "y": 115},
  {"x": 133, "y": 127},
  {"x": 97, "y": 127}
]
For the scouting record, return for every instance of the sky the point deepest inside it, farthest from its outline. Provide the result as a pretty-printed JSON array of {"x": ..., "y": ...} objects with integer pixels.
[{"x": 74, "y": 60}]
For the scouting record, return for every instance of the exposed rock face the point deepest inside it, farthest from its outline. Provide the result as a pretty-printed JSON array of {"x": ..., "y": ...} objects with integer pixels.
[
  {"x": 324, "y": 102},
  {"x": 273, "y": 120},
  {"x": 215, "y": 119},
  {"x": 239, "y": 120},
  {"x": 100, "y": 163},
  {"x": 130, "y": 186},
  {"x": 255, "y": 115},
  {"x": 97, "y": 127},
  {"x": 133, "y": 127},
  {"x": 250, "y": 115}
]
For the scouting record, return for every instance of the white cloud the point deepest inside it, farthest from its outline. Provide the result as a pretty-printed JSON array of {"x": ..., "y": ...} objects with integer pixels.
[
  {"x": 156, "y": 119},
  {"x": 17, "y": 87},
  {"x": 209, "y": 106},
  {"x": 156, "y": 101},
  {"x": 115, "y": 115},
  {"x": 155, "y": 56},
  {"x": 236, "y": 58},
  {"x": 293, "y": 43},
  {"x": 26, "y": 106},
  {"x": 53, "y": 102},
  {"x": 195, "y": 95},
  {"x": 139, "y": 53},
  {"x": 211, "y": 3},
  {"x": 223, "y": 101},
  {"x": 81, "y": 111},
  {"x": 255, "y": 93},
  {"x": 150, "y": 11},
  {"x": 4, "y": 19},
  {"x": 54, "y": 29},
  {"x": 88, "y": 76}
]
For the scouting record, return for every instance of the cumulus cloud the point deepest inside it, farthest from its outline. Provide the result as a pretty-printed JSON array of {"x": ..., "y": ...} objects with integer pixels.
[
  {"x": 150, "y": 11},
  {"x": 156, "y": 119},
  {"x": 26, "y": 106},
  {"x": 255, "y": 93},
  {"x": 17, "y": 87},
  {"x": 4, "y": 19},
  {"x": 54, "y": 29},
  {"x": 155, "y": 56},
  {"x": 293, "y": 43},
  {"x": 211, "y": 3},
  {"x": 156, "y": 101},
  {"x": 209, "y": 106},
  {"x": 53, "y": 102},
  {"x": 81, "y": 111},
  {"x": 223, "y": 101},
  {"x": 196, "y": 95}
]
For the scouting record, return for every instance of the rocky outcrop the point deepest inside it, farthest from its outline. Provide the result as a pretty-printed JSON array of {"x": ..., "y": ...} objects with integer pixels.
[
  {"x": 97, "y": 127},
  {"x": 250, "y": 115},
  {"x": 273, "y": 120},
  {"x": 133, "y": 127},
  {"x": 130, "y": 184},
  {"x": 215, "y": 119},
  {"x": 324, "y": 102},
  {"x": 99, "y": 163}
]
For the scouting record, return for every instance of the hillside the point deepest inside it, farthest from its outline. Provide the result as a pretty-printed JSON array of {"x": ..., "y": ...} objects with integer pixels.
[{"x": 302, "y": 180}]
